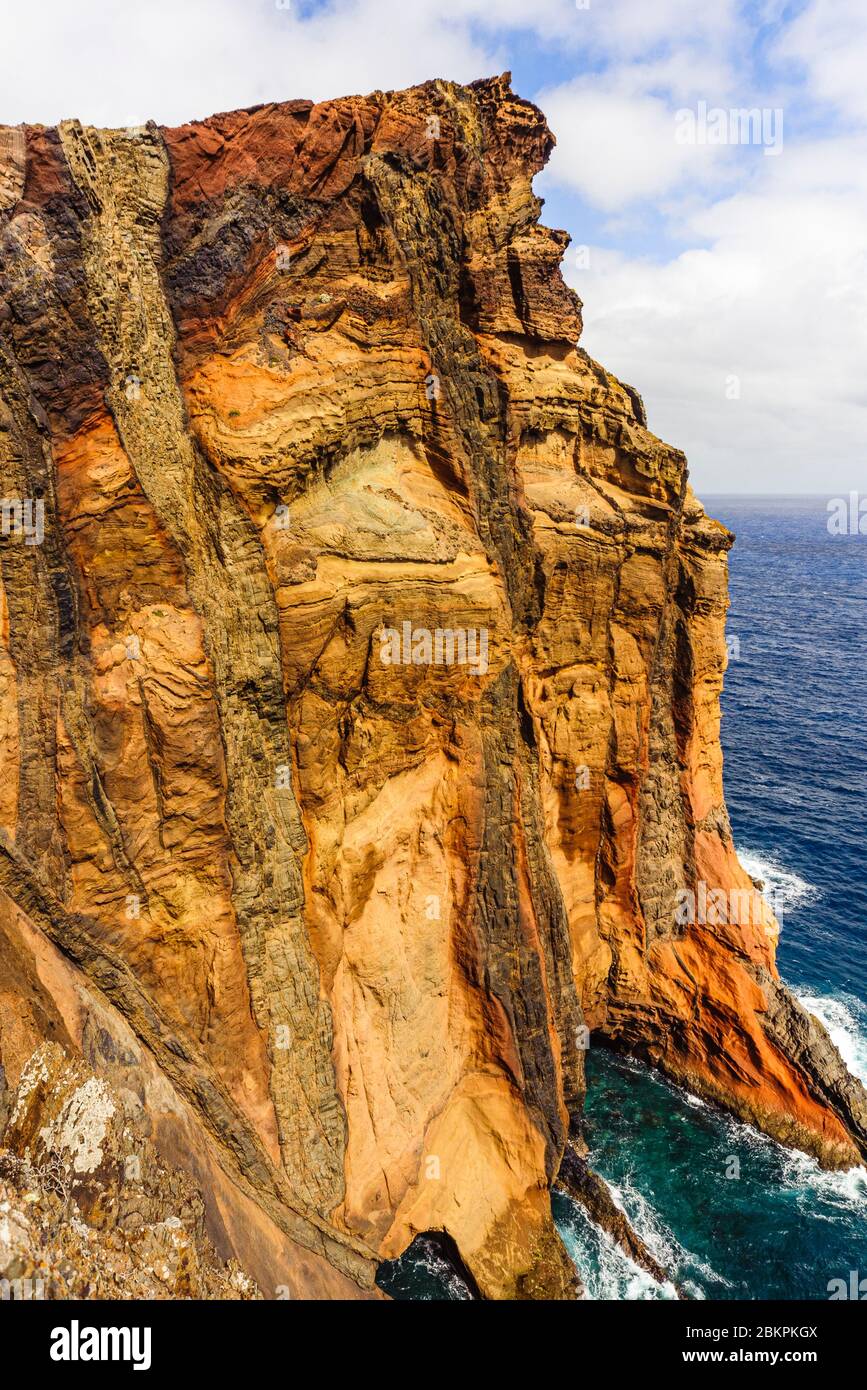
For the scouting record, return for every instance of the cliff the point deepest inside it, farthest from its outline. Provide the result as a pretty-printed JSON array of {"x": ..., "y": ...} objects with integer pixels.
[{"x": 360, "y": 662}]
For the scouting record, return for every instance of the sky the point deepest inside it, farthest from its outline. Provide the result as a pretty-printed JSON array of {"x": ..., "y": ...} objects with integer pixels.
[{"x": 721, "y": 261}]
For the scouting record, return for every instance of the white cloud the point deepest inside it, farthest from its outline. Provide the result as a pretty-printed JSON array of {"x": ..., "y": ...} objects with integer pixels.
[
  {"x": 828, "y": 41},
  {"x": 626, "y": 30},
  {"x": 777, "y": 300},
  {"x": 748, "y": 343},
  {"x": 616, "y": 146},
  {"x": 119, "y": 63}
]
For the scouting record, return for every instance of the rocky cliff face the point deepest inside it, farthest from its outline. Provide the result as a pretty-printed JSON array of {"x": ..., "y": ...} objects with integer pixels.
[
  {"x": 359, "y": 689},
  {"x": 87, "y": 1207}
]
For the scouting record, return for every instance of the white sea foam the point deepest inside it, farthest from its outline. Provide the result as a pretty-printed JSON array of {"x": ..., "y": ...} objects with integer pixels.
[
  {"x": 660, "y": 1241},
  {"x": 841, "y": 1192},
  {"x": 846, "y": 1021},
  {"x": 822, "y": 1194},
  {"x": 606, "y": 1270},
  {"x": 441, "y": 1271},
  {"x": 844, "y": 1017},
  {"x": 783, "y": 889}
]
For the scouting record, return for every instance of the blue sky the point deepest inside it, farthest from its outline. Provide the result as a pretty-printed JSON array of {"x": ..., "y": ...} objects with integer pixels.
[{"x": 726, "y": 281}]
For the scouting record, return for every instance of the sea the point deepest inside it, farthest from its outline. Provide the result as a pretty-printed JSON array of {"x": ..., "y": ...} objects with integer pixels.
[{"x": 730, "y": 1213}]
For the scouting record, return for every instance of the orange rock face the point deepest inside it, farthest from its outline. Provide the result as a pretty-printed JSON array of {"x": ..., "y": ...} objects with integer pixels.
[{"x": 359, "y": 703}]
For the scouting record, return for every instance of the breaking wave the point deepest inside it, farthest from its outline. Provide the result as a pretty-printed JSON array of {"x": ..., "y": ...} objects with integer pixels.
[
  {"x": 606, "y": 1270},
  {"x": 846, "y": 1021},
  {"x": 783, "y": 889}
]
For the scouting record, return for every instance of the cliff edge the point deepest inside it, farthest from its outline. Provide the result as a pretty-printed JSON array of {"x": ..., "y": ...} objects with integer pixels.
[{"x": 360, "y": 662}]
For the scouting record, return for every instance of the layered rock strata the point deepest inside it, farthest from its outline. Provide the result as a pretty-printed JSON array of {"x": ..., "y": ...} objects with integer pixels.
[{"x": 360, "y": 662}]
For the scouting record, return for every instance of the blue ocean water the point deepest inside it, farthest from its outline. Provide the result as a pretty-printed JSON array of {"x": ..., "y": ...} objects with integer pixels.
[{"x": 794, "y": 725}]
